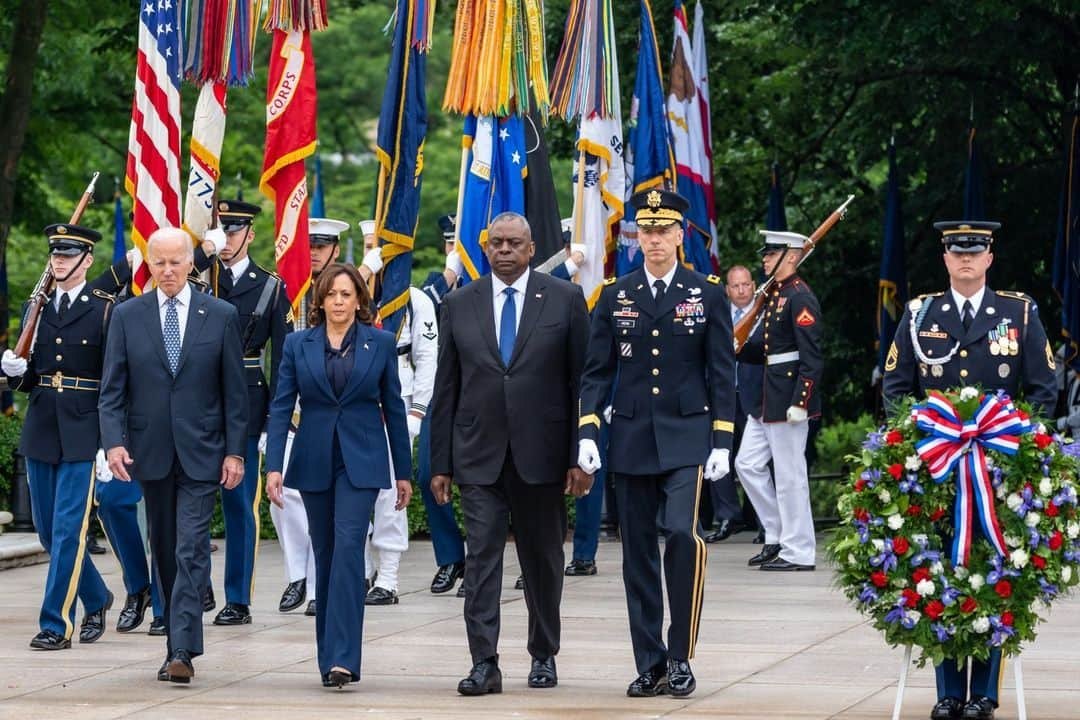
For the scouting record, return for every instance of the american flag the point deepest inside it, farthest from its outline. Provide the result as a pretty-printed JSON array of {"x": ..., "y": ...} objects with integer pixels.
[{"x": 153, "y": 165}]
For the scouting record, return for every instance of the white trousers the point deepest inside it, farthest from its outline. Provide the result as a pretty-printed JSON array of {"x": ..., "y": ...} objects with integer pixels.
[
  {"x": 784, "y": 510},
  {"x": 388, "y": 534},
  {"x": 292, "y": 531}
]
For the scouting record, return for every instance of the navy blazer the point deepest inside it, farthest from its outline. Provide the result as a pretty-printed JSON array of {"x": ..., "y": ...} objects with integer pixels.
[{"x": 372, "y": 393}]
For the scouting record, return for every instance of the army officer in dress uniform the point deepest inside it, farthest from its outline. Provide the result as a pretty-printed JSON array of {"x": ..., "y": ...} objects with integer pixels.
[
  {"x": 265, "y": 316},
  {"x": 970, "y": 335},
  {"x": 60, "y": 436},
  {"x": 665, "y": 331}
]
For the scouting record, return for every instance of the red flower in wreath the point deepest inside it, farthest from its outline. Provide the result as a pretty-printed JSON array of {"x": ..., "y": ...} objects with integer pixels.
[
  {"x": 900, "y": 545},
  {"x": 1003, "y": 588},
  {"x": 1038, "y": 561},
  {"x": 1007, "y": 618},
  {"x": 896, "y": 470},
  {"x": 859, "y": 485},
  {"x": 937, "y": 514},
  {"x": 894, "y": 437},
  {"x": 1055, "y": 540},
  {"x": 861, "y": 515},
  {"x": 919, "y": 575},
  {"x": 914, "y": 510},
  {"x": 969, "y": 605},
  {"x": 911, "y": 598},
  {"x": 935, "y": 609},
  {"x": 879, "y": 579},
  {"x": 1042, "y": 440},
  {"x": 1051, "y": 510}
]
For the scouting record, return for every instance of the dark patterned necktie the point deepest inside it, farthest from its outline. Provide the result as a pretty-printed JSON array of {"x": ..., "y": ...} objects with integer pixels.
[
  {"x": 660, "y": 287},
  {"x": 65, "y": 303},
  {"x": 171, "y": 333}
]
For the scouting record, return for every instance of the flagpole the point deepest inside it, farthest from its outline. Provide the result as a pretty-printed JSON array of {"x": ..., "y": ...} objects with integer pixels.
[
  {"x": 579, "y": 198},
  {"x": 460, "y": 195}
]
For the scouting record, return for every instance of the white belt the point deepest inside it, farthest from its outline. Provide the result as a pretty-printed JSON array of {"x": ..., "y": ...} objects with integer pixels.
[{"x": 780, "y": 358}]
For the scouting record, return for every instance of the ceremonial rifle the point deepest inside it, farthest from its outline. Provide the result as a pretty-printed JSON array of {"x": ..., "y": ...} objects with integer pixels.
[
  {"x": 749, "y": 319},
  {"x": 40, "y": 296}
]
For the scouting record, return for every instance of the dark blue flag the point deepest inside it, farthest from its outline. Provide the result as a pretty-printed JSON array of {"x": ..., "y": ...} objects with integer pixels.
[
  {"x": 974, "y": 209},
  {"x": 1067, "y": 247},
  {"x": 776, "y": 218},
  {"x": 318, "y": 201},
  {"x": 119, "y": 248},
  {"x": 892, "y": 282}
]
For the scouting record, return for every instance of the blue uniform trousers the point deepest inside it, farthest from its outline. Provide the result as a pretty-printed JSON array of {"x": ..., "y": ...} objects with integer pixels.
[
  {"x": 61, "y": 496},
  {"x": 446, "y": 538},
  {"x": 952, "y": 677},
  {"x": 587, "y": 509},
  {"x": 240, "y": 508},
  {"x": 119, "y": 514}
]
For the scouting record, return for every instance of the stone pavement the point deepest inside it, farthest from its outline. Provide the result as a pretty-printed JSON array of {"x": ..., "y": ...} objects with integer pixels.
[{"x": 771, "y": 646}]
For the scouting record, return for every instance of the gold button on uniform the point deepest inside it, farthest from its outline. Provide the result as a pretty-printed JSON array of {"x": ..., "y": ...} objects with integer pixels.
[
  {"x": 59, "y": 341},
  {"x": 963, "y": 373},
  {"x": 656, "y": 371},
  {"x": 59, "y": 358},
  {"x": 656, "y": 391},
  {"x": 655, "y": 351},
  {"x": 963, "y": 353},
  {"x": 655, "y": 332}
]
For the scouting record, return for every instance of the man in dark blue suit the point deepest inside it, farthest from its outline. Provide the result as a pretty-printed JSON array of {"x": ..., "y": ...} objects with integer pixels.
[{"x": 173, "y": 410}]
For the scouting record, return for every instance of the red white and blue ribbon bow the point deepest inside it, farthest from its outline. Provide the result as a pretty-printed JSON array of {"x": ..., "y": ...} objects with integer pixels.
[{"x": 952, "y": 442}]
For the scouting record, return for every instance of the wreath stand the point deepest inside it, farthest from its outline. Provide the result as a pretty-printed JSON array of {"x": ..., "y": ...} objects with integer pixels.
[{"x": 1018, "y": 673}]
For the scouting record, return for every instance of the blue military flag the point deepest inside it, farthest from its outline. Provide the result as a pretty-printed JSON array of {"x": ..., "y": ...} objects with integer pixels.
[
  {"x": 1067, "y": 247},
  {"x": 892, "y": 281},
  {"x": 775, "y": 216},
  {"x": 119, "y": 247},
  {"x": 974, "y": 209},
  {"x": 318, "y": 200}
]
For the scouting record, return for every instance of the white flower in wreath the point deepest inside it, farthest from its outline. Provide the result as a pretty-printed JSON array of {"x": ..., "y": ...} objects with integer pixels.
[
  {"x": 879, "y": 544},
  {"x": 895, "y": 522},
  {"x": 960, "y": 572},
  {"x": 884, "y": 496},
  {"x": 1072, "y": 530},
  {"x": 907, "y": 421},
  {"x": 937, "y": 568},
  {"x": 1045, "y": 486},
  {"x": 1066, "y": 573},
  {"x": 913, "y": 462},
  {"x": 1041, "y": 429},
  {"x": 968, "y": 393},
  {"x": 976, "y": 581},
  {"x": 920, "y": 538},
  {"x": 925, "y": 587},
  {"x": 1019, "y": 558},
  {"x": 1014, "y": 501},
  {"x": 1000, "y": 492},
  {"x": 1012, "y": 541},
  {"x": 912, "y": 615},
  {"x": 1032, "y": 519},
  {"x": 981, "y": 625}
]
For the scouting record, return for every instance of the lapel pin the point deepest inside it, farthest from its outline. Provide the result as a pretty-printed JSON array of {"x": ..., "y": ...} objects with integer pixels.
[
  {"x": 945, "y": 307},
  {"x": 678, "y": 285},
  {"x": 990, "y": 310},
  {"x": 201, "y": 311},
  {"x": 539, "y": 295},
  {"x": 84, "y": 298},
  {"x": 251, "y": 275}
]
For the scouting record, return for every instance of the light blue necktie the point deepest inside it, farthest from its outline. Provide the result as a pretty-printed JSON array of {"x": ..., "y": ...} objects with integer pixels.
[
  {"x": 508, "y": 327},
  {"x": 738, "y": 315},
  {"x": 172, "y": 334}
]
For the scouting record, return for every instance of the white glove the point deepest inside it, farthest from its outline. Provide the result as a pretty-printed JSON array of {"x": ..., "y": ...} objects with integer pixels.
[
  {"x": 12, "y": 364},
  {"x": 262, "y": 443},
  {"x": 875, "y": 375},
  {"x": 796, "y": 414},
  {"x": 414, "y": 426},
  {"x": 134, "y": 257},
  {"x": 718, "y": 465},
  {"x": 373, "y": 260},
  {"x": 588, "y": 456},
  {"x": 217, "y": 237},
  {"x": 578, "y": 248},
  {"x": 454, "y": 264},
  {"x": 101, "y": 468},
  {"x": 607, "y": 414}
]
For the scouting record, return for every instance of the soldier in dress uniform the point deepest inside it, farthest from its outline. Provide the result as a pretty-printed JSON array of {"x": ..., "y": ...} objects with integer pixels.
[
  {"x": 60, "y": 437},
  {"x": 788, "y": 342},
  {"x": 970, "y": 335},
  {"x": 265, "y": 316},
  {"x": 665, "y": 331}
]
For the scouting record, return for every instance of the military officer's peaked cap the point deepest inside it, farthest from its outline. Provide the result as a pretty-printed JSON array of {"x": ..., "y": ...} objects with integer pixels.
[
  {"x": 324, "y": 231},
  {"x": 448, "y": 223},
  {"x": 966, "y": 236},
  {"x": 776, "y": 240},
  {"x": 68, "y": 239},
  {"x": 236, "y": 214},
  {"x": 658, "y": 208}
]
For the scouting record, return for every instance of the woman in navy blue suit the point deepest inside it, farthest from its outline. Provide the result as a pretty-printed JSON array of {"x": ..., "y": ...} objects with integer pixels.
[{"x": 345, "y": 374}]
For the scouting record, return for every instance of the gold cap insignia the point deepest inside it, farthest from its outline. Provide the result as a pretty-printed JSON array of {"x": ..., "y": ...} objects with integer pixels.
[
  {"x": 223, "y": 206},
  {"x": 62, "y": 230},
  {"x": 653, "y": 199}
]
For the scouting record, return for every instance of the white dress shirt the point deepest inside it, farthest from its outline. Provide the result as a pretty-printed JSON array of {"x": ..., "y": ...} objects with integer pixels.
[
  {"x": 668, "y": 277},
  {"x": 497, "y": 287},
  {"x": 73, "y": 295},
  {"x": 182, "y": 306},
  {"x": 975, "y": 300},
  {"x": 238, "y": 268},
  {"x": 740, "y": 311}
]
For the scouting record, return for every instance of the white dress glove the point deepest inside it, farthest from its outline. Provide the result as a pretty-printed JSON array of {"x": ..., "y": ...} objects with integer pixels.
[
  {"x": 454, "y": 264},
  {"x": 578, "y": 248},
  {"x": 101, "y": 468},
  {"x": 718, "y": 465},
  {"x": 373, "y": 260},
  {"x": 414, "y": 426},
  {"x": 134, "y": 257},
  {"x": 262, "y": 443},
  {"x": 12, "y": 364},
  {"x": 796, "y": 414},
  {"x": 607, "y": 414},
  {"x": 588, "y": 456},
  {"x": 217, "y": 237}
]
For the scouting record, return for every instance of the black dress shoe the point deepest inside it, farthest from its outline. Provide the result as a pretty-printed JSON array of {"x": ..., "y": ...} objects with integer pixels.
[
  {"x": 163, "y": 671},
  {"x": 294, "y": 596},
  {"x": 233, "y": 614},
  {"x": 543, "y": 674},
  {"x": 519, "y": 584},
  {"x": 93, "y": 624},
  {"x": 759, "y": 539},
  {"x": 338, "y": 678},
  {"x": 381, "y": 596},
  {"x": 680, "y": 679},
  {"x": 93, "y": 546},
  {"x": 580, "y": 567},
  {"x": 779, "y": 564},
  {"x": 208, "y": 602},
  {"x": 979, "y": 708},
  {"x": 947, "y": 708},
  {"x": 48, "y": 640},
  {"x": 650, "y": 683},
  {"x": 446, "y": 577},
  {"x": 157, "y": 627},
  {"x": 179, "y": 667},
  {"x": 461, "y": 589},
  {"x": 768, "y": 553},
  {"x": 134, "y": 611},
  {"x": 485, "y": 677},
  {"x": 723, "y": 531},
  {"x": 312, "y": 608}
]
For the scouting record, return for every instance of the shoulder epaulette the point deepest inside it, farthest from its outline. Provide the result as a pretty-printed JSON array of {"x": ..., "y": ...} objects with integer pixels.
[
  {"x": 714, "y": 279},
  {"x": 104, "y": 295},
  {"x": 1016, "y": 295},
  {"x": 610, "y": 281}
]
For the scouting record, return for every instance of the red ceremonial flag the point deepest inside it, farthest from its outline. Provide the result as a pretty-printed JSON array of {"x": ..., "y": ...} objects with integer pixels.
[{"x": 290, "y": 137}]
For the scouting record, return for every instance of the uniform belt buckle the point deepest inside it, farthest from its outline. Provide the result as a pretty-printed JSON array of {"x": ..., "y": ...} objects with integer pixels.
[{"x": 57, "y": 381}]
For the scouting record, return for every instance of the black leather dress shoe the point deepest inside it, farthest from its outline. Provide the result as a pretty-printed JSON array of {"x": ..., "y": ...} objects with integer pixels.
[
  {"x": 580, "y": 567},
  {"x": 208, "y": 601},
  {"x": 294, "y": 596},
  {"x": 381, "y": 596},
  {"x": 779, "y": 564},
  {"x": 723, "y": 531},
  {"x": 312, "y": 608},
  {"x": 543, "y": 673},
  {"x": 979, "y": 708},
  {"x": 446, "y": 577},
  {"x": 93, "y": 624},
  {"x": 233, "y": 614},
  {"x": 461, "y": 589},
  {"x": 680, "y": 678},
  {"x": 650, "y": 683},
  {"x": 947, "y": 709},
  {"x": 93, "y": 546},
  {"x": 759, "y": 539},
  {"x": 157, "y": 627},
  {"x": 179, "y": 667},
  {"x": 163, "y": 671},
  {"x": 484, "y": 678},
  {"x": 338, "y": 678},
  {"x": 48, "y": 640},
  {"x": 768, "y": 552},
  {"x": 134, "y": 611},
  {"x": 519, "y": 584}
]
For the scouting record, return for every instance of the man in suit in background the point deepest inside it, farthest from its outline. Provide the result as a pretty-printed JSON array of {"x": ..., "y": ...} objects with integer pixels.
[
  {"x": 173, "y": 410},
  {"x": 507, "y": 341}
]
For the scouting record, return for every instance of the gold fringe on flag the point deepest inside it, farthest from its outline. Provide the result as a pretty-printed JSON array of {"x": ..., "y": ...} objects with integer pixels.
[{"x": 301, "y": 15}]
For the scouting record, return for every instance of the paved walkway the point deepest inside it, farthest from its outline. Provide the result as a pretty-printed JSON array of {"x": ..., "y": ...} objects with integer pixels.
[{"x": 771, "y": 646}]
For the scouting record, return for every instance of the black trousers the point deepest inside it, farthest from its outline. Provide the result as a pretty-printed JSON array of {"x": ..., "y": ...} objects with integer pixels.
[
  {"x": 178, "y": 512},
  {"x": 649, "y": 504},
  {"x": 539, "y": 517}
]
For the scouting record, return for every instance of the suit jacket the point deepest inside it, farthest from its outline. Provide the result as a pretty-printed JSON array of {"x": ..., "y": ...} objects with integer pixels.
[
  {"x": 749, "y": 377},
  {"x": 483, "y": 408},
  {"x": 200, "y": 415},
  {"x": 372, "y": 393}
]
